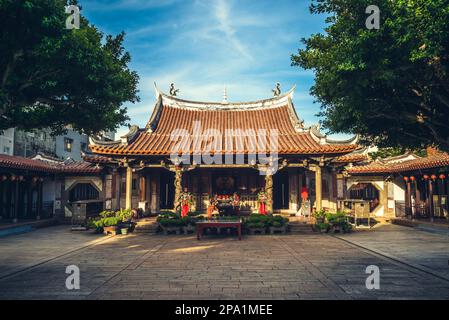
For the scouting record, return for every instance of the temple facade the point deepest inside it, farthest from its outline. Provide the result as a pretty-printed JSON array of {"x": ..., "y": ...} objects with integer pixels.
[{"x": 219, "y": 148}]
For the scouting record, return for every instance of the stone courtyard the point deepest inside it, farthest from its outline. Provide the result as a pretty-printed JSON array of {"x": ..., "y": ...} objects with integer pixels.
[{"x": 413, "y": 265}]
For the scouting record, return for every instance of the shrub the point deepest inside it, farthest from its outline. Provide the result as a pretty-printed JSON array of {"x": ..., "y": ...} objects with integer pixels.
[
  {"x": 107, "y": 214},
  {"x": 124, "y": 214},
  {"x": 167, "y": 222},
  {"x": 323, "y": 226},
  {"x": 278, "y": 221},
  {"x": 320, "y": 214}
]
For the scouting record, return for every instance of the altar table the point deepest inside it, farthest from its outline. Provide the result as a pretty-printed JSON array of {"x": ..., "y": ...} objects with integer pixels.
[{"x": 200, "y": 226}]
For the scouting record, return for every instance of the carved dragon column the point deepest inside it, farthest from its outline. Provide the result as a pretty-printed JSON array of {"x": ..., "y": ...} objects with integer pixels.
[
  {"x": 318, "y": 188},
  {"x": 269, "y": 191},
  {"x": 178, "y": 185}
]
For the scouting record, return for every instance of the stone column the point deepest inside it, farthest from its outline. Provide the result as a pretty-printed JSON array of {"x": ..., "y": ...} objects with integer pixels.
[
  {"x": 269, "y": 191},
  {"x": 178, "y": 185},
  {"x": 430, "y": 199},
  {"x": 129, "y": 181},
  {"x": 40, "y": 198},
  {"x": 408, "y": 200},
  {"x": 16, "y": 200},
  {"x": 318, "y": 188},
  {"x": 143, "y": 192}
]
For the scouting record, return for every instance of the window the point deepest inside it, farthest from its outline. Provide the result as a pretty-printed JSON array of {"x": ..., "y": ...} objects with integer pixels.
[
  {"x": 6, "y": 150},
  {"x": 83, "y": 191},
  {"x": 83, "y": 146},
  {"x": 68, "y": 143}
]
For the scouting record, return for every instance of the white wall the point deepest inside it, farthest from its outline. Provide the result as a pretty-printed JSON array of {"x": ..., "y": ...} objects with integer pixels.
[{"x": 7, "y": 141}]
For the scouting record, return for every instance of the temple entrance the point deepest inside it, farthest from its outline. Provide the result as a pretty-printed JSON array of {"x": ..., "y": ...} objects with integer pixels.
[
  {"x": 167, "y": 192},
  {"x": 280, "y": 191}
]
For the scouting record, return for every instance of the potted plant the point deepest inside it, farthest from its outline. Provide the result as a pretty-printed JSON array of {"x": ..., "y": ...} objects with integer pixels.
[
  {"x": 257, "y": 223},
  {"x": 110, "y": 225},
  {"x": 323, "y": 227},
  {"x": 278, "y": 224},
  {"x": 319, "y": 216},
  {"x": 170, "y": 224},
  {"x": 188, "y": 224},
  {"x": 338, "y": 222}
]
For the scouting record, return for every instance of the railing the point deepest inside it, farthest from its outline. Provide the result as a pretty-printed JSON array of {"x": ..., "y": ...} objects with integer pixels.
[{"x": 420, "y": 211}]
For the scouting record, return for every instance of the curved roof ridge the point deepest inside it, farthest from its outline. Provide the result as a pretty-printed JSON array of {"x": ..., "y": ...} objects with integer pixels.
[{"x": 272, "y": 102}]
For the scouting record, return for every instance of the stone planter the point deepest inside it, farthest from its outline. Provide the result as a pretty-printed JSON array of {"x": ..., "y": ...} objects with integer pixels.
[
  {"x": 188, "y": 229},
  {"x": 282, "y": 229},
  {"x": 257, "y": 230},
  {"x": 112, "y": 230},
  {"x": 170, "y": 229},
  {"x": 124, "y": 231}
]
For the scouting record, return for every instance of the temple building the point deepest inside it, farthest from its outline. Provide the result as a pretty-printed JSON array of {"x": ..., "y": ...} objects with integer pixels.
[
  {"x": 224, "y": 147},
  {"x": 406, "y": 186}
]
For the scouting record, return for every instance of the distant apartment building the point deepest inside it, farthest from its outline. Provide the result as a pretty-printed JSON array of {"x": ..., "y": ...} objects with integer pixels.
[
  {"x": 7, "y": 141},
  {"x": 27, "y": 144}
]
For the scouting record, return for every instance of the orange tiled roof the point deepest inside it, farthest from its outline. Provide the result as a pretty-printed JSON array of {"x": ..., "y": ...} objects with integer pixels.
[
  {"x": 272, "y": 114},
  {"x": 21, "y": 163},
  {"x": 435, "y": 160},
  {"x": 347, "y": 158}
]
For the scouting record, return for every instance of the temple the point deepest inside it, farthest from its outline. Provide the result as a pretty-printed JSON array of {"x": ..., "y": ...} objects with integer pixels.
[{"x": 212, "y": 148}]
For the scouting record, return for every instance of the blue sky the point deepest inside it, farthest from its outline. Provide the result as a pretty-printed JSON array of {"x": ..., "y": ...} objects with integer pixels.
[{"x": 204, "y": 45}]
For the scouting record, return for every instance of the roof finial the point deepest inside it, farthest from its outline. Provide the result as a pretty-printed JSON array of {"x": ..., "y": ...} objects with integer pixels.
[
  {"x": 173, "y": 91},
  {"x": 225, "y": 95},
  {"x": 277, "y": 90}
]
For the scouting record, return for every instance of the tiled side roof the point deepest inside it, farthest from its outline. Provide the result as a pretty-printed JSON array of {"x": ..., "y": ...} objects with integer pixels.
[
  {"x": 350, "y": 158},
  {"x": 436, "y": 160},
  {"x": 21, "y": 163},
  {"x": 158, "y": 142}
]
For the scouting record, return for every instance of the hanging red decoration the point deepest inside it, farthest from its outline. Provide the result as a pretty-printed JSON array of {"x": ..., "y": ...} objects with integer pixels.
[
  {"x": 426, "y": 177},
  {"x": 442, "y": 176},
  {"x": 405, "y": 179},
  {"x": 412, "y": 178},
  {"x": 433, "y": 177}
]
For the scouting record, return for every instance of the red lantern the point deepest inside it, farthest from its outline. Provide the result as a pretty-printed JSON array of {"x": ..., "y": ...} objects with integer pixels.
[
  {"x": 412, "y": 178},
  {"x": 426, "y": 177},
  {"x": 442, "y": 176},
  {"x": 433, "y": 177},
  {"x": 405, "y": 179},
  {"x": 13, "y": 177},
  {"x": 4, "y": 178}
]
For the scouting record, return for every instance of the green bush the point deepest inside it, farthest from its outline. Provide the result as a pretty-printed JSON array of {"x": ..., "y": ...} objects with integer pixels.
[
  {"x": 259, "y": 219},
  {"x": 107, "y": 214},
  {"x": 259, "y": 224},
  {"x": 323, "y": 226},
  {"x": 168, "y": 222},
  {"x": 320, "y": 214},
  {"x": 277, "y": 224},
  {"x": 278, "y": 221},
  {"x": 110, "y": 221},
  {"x": 124, "y": 214}
]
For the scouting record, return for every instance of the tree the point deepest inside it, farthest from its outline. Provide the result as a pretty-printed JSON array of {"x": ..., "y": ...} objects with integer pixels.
[
  {"x": 55, "y": 77},
  {"x": 389, "y": 85}
]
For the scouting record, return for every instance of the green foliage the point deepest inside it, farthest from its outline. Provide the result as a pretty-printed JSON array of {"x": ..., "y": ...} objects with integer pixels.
[
  {"x": 107, "y": 214},
  {"x": 320, "y": 214},
  {"x": 168, "y": 222},
  {"x": 124, "y": 214},
  {"x": 339, "y": 220},
  {"x": 323, "y": 226},
  {"x": 262, "y": 221},
  {"x": 54, "y": 77},
  {"x": 390, "y": 85}
]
